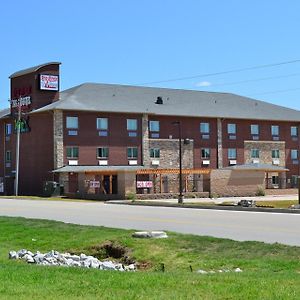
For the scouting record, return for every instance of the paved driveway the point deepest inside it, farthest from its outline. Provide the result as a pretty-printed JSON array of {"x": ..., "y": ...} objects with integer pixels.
[{"x": 267, "y": 227}]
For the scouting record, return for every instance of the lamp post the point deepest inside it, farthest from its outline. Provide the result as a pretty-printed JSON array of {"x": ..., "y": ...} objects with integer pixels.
[{"x": 180, "y": 196}]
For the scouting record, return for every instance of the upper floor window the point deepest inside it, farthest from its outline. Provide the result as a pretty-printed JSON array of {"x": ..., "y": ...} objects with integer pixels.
[
  {"x": 294, "y": 131},
  {"x": 205, "y": 153},
  {"x": 154, "y": 129},
  {"x": 275, "y": 153},
  {"x": 275, "y": 130},
  {"x": 154, "y": 152},
  {"x": 294, "y": 154},
  {"x": 102, "y": 126},
  {"x": 72, "y": 123},
  {"x": 8, "y": 156},
  {"x": 8, "y": 129},
  {"x": 72, "y": 152},
  {"x": 102, "y": 152},
  {"x": 204, "y": 130},
  {"x": 254, "y": 129},
  {"x": 132, "y": 127},
  {"x": 231, "y": 153},
  {"x": 132, "y": 152},
  {"x": 254, "y": 153},
  {"x": 231, "y": 128}
]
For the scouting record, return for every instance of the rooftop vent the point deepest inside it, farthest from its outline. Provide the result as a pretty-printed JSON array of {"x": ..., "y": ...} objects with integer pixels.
[{"x": 159, "y": 100}]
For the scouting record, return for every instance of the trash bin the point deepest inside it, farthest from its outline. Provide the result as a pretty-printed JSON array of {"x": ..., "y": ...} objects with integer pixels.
[{"x": 51, "y": 188}]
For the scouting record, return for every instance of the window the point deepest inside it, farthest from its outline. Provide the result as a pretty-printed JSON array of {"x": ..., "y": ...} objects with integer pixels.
[
  {"x": 275, "y": 130},
  {"x": 132, "y": 127},
  {"x": 231, "y": 153},
  {"x": 254, "y": 153},
  {"x": 102, "y": 126},
  {"x": 8, "y": 129},
  {"x": 294, "y": 154},
  {"x": 154, "y": 129},
  {"x": 205, "y": 153},
  {"x": 154, "y": 152},
  {"x": 8, "y": 156},
  {"x": 231, "y": 128},
  {"x": 132, "y": 152},
  {"x": 294, "y": 131},
  {"x": 72, "y": 152},
  {"x": 254, "y": 129},
  {"x": 204, "y": 127},
  {"x": 102, "y": 152},
  {"x": 72, "y": 122},
  {"x": 275, "y": 153}
]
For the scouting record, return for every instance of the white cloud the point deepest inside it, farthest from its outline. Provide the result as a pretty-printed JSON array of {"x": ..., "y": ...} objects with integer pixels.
[{"x": 203, "y": 83}]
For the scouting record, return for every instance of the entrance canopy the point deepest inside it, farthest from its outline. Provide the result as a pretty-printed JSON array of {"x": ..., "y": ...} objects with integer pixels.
[
  {"x": 258, "y": 167},
  {"x": 97, "y": 169}
]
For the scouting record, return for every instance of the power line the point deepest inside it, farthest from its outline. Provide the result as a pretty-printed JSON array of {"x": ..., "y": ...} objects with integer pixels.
[
  {"x": 223, "y": 72},
  {"x": 252, "y": 80}
]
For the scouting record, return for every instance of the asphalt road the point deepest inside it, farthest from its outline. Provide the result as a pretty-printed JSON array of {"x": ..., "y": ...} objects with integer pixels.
[{"x": 266, "y": 227}]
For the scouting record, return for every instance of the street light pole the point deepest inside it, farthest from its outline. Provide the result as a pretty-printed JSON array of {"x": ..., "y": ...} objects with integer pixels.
[
  {"x": 18, "y": 148},
  {"x": 180, "y": 197}
]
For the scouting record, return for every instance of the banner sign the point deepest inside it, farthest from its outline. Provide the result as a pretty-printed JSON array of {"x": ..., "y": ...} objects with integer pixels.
[
  {"x": 94, "y": 184},
  {"x": 22, "y": 101},
  {"x": 49, "y": 82},
  {"x": 144, "y": 184}
]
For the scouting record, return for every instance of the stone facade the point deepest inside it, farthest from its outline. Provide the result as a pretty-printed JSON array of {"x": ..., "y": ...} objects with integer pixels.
[
  {"x": 219, "y": 144},
  {"x": 224, "y": 183},
  {"x": 169, "y": 154},
  {"x": 265, "y": 151},
  {"x": 58, "y": 139}
]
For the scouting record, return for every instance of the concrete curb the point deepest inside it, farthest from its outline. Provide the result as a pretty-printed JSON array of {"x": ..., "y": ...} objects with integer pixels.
[{"x": 214, "y": 207}]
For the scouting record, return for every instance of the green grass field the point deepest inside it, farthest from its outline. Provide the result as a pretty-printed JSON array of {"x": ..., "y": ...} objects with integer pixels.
[{"x": 269, "y": 271}]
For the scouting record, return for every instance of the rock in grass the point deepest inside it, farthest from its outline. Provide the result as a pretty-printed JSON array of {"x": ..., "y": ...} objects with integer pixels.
[
  {"x": 28, "y": 258},
  {"x": 21, "y": 252},
  {"x": 150, "y": 234},
  {"x": 201, "y": 272},
  {"x": 13, "y": 255},
  {"x": 238, "y": 270}
]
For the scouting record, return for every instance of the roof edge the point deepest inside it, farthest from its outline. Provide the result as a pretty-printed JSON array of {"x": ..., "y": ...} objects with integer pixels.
[{"x": 32, "y": 69}]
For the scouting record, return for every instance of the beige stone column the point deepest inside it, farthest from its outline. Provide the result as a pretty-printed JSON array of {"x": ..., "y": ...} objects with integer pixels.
[
  {"x": 219, "y": 144},
  {"x": 58, "y": 138},
  {"x": 145, "y": 141}
]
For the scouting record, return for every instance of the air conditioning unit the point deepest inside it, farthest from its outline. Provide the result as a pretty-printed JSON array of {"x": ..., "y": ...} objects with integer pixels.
[
  {"x": 205, "y": 162},
  {"x": 103, "y": 162},
  {"x": 132, "y": 162},
  {"x": 73, "y": 162},
  {"x": 255, "y": 161},
  {"x": 232, "y": 161},
  {"x": 276, "y": 161},
  {"x": 155, "y": 162}
]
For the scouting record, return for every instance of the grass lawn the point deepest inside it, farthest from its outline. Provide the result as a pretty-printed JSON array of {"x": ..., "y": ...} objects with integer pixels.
[{"x": 269, "y": 271}]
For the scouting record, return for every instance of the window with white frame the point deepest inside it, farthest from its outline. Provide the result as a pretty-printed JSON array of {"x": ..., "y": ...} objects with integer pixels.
[
  {"x": 294, "y": 131},
  {"x": 8, "y": 129},
  {"x": 231, "y": 153},
  {"x": 132, "y": 152},
  {"x": 72, "y": 123},
  {"x": 72, "y": 152},
  {"x": 154, "y": 128},
  {"x": 254, "y": 129},
  {"x": 102, "y": 152},
  {"x": 154, "y": 152},
  {"x": 275, "y": 130},
  {"x": 294, "y": 154},
  {"x": 205, "y": 153},
  {"x": 275, "y": 153},
  {"x": 132, "y": 127},
  {"x": 102, "y": 126},
  {"x": 231, "y": 128},
  {"x": 204, "y": 128},
  {"x": 254, "y": 153}
]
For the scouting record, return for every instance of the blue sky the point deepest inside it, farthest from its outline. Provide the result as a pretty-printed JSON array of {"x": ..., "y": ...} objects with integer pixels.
[{"x": 139, "y": 41}]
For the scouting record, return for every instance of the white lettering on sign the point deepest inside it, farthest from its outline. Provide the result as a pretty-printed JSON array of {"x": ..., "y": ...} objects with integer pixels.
[
  {"x": 49, "y": 82},
  {"x": 144, "y": 184},
  {"x": 23, "y": 101},
  {"x": 94, "y": 184}
]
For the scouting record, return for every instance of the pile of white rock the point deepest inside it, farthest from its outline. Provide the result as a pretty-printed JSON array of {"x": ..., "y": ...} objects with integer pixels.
[
  {"x": 54, "y": 258},
  {"x": 236, "y": 270}
]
